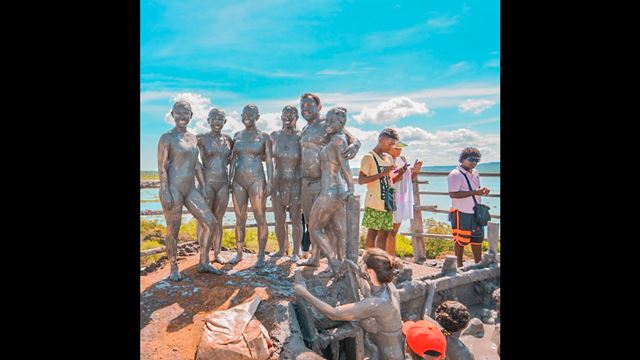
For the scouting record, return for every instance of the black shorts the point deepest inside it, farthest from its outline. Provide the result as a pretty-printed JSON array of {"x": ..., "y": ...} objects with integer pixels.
[
  {"x": 465, "y": 229},
  {"x": 306, "y": 240}
]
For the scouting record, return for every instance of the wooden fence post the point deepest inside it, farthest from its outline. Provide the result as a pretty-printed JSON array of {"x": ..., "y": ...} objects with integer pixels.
[
  {"x": 493, "y": 229},
  {"x": 417, "y": 227}
]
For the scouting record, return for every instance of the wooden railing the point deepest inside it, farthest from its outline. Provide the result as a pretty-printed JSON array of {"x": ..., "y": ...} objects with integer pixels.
[{"x": 417, "y": 233}]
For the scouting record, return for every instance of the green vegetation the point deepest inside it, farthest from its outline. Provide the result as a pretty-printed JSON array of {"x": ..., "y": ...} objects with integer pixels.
[
  {"x": 152, "y": 234},
  {"x": 149, "y": 175}
]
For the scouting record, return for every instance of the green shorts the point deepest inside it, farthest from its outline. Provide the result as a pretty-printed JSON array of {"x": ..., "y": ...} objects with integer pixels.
[{"x": 377, "y": 220}]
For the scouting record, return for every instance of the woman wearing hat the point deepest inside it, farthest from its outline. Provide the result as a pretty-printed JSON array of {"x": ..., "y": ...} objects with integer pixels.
[{"x": 403, "y": 193}]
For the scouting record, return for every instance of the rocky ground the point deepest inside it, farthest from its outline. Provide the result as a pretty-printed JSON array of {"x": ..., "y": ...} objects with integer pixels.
[{"x": 172, "y": 314}]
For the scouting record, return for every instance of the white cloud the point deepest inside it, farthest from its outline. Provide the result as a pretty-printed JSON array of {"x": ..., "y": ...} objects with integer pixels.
[
  {"x": 457, "y": 68},
  {"x": 443, "y": 22},
  {"x": 476, "y": 106},
  {"x": 492, "y": 63},
  {"x": 148, "y": 96},
  {"x": 434, "y": 148},
  {"x": 442, "y": 97},
  {"x": 391, "y": 110},
  {"x": 385, "y": 39}
]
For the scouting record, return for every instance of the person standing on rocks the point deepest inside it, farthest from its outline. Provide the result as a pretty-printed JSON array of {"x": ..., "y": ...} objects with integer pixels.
[
  {"x": 403, "y": 186},
  {"x": 461, "y": 215},
  {"x": 287, "y": 182},
  {"x": 250, "y": 148},
  {"x": 312, "y": 139},
  {"x": 215, "y": 152},
  {"x": 327, "y": 213},
  {"x": 375, "y": 168},
  {"x": 178, "y": 167}
]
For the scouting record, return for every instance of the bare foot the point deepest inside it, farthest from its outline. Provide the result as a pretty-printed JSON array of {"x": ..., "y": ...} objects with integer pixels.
[
  {"x": 208, "y": 268},
  {"x": 260, "y": 262},
  {"x": 219, "y": 259},
  {"x": 311, "y": 262},
  {"x": 175, "y": 274},
  {"x": 235, "y": 259}
]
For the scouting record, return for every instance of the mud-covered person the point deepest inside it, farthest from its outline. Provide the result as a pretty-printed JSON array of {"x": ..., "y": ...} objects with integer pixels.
[{"x": 380, "y": 310}]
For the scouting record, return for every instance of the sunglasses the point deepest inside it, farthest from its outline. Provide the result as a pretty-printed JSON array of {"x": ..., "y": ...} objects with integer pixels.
[{"x": 473, "y": 160}]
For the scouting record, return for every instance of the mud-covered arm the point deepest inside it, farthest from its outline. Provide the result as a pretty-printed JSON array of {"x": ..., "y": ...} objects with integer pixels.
[
  {"x": 232, "y": 162},
  {"x": 345, "y": 169},
  {"x": 350, "y": 312},
  {"x": 354, "y": 145},
  {"x": 200, "y": 172},
  {"x": 163, "y": 162},
  {"x": 268, "y": 153}
]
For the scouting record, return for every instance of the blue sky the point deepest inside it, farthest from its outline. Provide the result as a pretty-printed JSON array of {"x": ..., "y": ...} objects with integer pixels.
[{"x": 430, "y": 69}]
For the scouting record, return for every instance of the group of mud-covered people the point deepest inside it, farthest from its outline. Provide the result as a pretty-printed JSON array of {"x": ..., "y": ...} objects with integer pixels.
[{"x": 307, "y": 172}]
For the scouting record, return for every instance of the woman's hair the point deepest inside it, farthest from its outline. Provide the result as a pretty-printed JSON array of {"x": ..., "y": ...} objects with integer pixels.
[
  {"x": 384, "y": 265},
  {"x": 452, "y": 316}
]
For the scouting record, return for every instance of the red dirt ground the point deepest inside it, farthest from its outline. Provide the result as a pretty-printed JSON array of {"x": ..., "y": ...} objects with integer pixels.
[{"x": 172, "y": 314}]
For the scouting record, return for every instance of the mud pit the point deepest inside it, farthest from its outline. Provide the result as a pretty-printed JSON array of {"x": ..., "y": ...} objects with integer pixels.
[{"x": 172, "y": 314}]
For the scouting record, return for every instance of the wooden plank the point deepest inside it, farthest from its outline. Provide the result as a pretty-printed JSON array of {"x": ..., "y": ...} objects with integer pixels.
[
  {"x": 155, "y": 184},
  {"x": 229, "y": 210},
  {"x": 446, "y": 173},
  {"x": 419, "y": 253},
  {"x": 425, "y": 207},
  {"x": 425, "y": 235},
  {"x": 353, "y": 229},
  {"x": 492, "y": 235},
  {"x": 447, "y": 194},
  {"x": 447, "y": 211},
  {"x": 185, "y": 212},
  {"x": 437, "y": 236}
]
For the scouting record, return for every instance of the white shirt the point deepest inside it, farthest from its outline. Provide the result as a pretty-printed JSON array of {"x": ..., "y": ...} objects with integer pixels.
[{"x": 456, "y": 183}]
